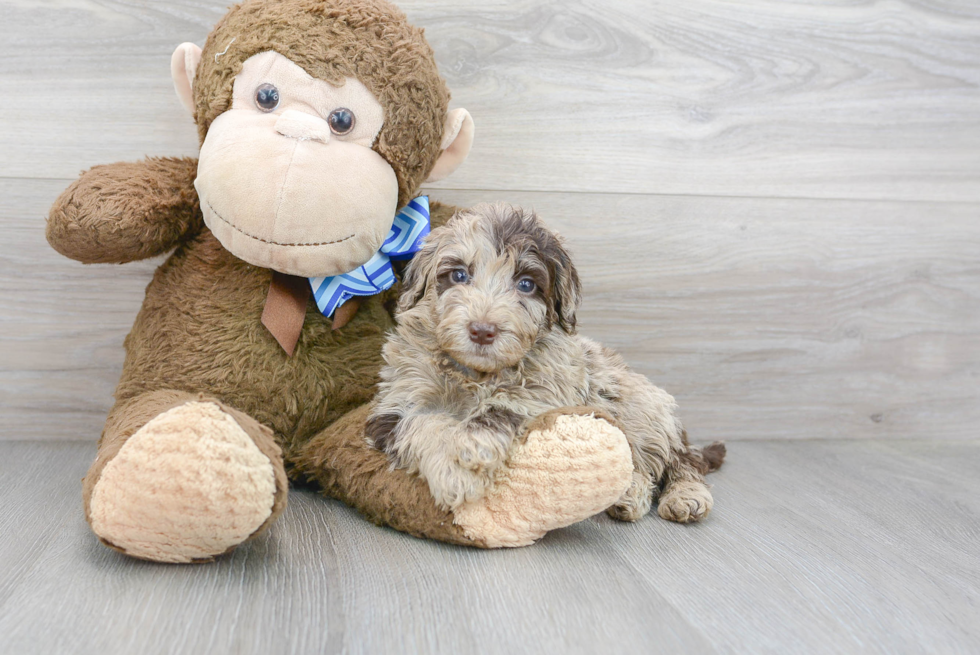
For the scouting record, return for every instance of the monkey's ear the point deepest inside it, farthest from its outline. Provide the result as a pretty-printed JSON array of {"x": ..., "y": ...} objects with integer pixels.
[
  {"x": 457, "y": 139},
  {"x": 183, "y": 66}
]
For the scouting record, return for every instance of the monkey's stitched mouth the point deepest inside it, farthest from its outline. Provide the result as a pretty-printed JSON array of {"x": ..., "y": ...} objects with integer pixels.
[{"x": 274, "y": 243}]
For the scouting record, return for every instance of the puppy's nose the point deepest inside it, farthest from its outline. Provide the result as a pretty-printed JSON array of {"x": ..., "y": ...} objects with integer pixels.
[{"x": 483, "y": 333}]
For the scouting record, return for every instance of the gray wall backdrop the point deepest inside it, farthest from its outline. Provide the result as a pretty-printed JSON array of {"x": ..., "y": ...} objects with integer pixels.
[{"x": 775, "y": 206}]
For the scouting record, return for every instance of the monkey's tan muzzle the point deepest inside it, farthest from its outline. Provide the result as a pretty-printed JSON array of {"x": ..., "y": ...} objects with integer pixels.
[{"x": 275, "y": 192}]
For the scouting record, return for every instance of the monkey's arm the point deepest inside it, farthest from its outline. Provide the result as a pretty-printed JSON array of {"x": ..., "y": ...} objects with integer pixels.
[
  {"x": 347, "y": 466},
  {"x": 571, "y": 466},
  {"x": 126, "y": 211}
]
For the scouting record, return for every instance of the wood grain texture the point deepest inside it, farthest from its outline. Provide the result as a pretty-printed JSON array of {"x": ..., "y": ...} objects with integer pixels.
[
  {"x": 766, "y": 318},
  {"x": 62, "y": 325},
  {"x": 758, "y": 98},
  {"x": 816, "y": 547}
]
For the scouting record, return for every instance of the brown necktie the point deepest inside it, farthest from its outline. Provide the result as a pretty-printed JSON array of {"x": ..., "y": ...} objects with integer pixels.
[{"x": 285, "y": 309}]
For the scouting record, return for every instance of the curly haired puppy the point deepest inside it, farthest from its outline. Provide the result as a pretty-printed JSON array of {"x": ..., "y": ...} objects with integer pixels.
[{"x": 486, "y": 342}]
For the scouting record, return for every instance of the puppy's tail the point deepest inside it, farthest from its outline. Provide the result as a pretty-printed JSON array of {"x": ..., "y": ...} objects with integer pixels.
[
  {"x": 714, "y": 455},
  {"x": 707, "y": 459}
]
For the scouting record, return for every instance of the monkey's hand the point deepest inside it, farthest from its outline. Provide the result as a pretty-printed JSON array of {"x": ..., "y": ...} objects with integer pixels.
[
  {"x": 126, "y": 211},
  {"x": 573, "y": 464}
]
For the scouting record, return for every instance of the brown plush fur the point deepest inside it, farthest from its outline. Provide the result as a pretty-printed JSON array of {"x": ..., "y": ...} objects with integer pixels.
[
  {"x": 199, "y": 332},
  {"x": 372, "y": 41},
  {"x": 127, "y": 211}
]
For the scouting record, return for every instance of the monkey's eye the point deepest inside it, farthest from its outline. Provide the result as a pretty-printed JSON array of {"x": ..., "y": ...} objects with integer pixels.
[
  {"x": 266, "y": 97},
  {"x": 526, "y": 285},
  {"x": 459, "y": 276},
  {"x": 341, "y": 120}
]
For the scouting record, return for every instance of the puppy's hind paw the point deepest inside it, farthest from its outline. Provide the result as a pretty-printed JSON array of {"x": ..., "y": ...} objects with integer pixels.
[
  {"x": 685, "y": 502},
  {"x": 636, "y": 502}
]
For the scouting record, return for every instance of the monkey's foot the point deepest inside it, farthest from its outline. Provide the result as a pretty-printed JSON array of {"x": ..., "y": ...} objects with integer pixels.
[
  {"x": 571, "y": 466},
  {"x": 187, "y": 486}
]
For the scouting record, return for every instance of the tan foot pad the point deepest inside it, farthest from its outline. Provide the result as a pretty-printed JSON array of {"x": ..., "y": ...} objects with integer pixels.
[
  {"x": 189, "y": 485},
  {"x": 559, "y": 476}
]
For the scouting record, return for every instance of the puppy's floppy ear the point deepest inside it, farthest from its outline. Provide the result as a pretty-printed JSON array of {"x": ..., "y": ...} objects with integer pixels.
[
  {"x": 417, "y": 274},
  {"x": 566, "y": 288}
]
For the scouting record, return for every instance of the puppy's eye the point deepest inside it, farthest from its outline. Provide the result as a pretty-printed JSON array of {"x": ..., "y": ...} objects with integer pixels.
[
  {"x": 341, "y": 120},
  {"x": 526, "y": 285},
  {"x": 459, "y": 276},
  {"x": 267, "y": 97}
]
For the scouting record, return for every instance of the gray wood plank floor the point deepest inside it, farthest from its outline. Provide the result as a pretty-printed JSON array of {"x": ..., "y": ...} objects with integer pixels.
[{"x": 814, "y": 546}]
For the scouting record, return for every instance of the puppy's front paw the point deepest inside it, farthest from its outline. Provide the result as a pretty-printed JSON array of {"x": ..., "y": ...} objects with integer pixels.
[
  {"x": 452, "y": 485},
  {"x": 685, "y": 502},
  {"x": 482, "y": 451},
  {"x": 636, "y": 502}
]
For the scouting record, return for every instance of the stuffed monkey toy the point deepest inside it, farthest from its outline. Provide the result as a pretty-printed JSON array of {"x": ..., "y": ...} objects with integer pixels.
[{"x": 245, "y": 368}]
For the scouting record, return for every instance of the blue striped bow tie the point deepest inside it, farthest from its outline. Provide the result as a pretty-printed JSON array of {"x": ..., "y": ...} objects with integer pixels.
[{"x": 403, "y": 241}]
